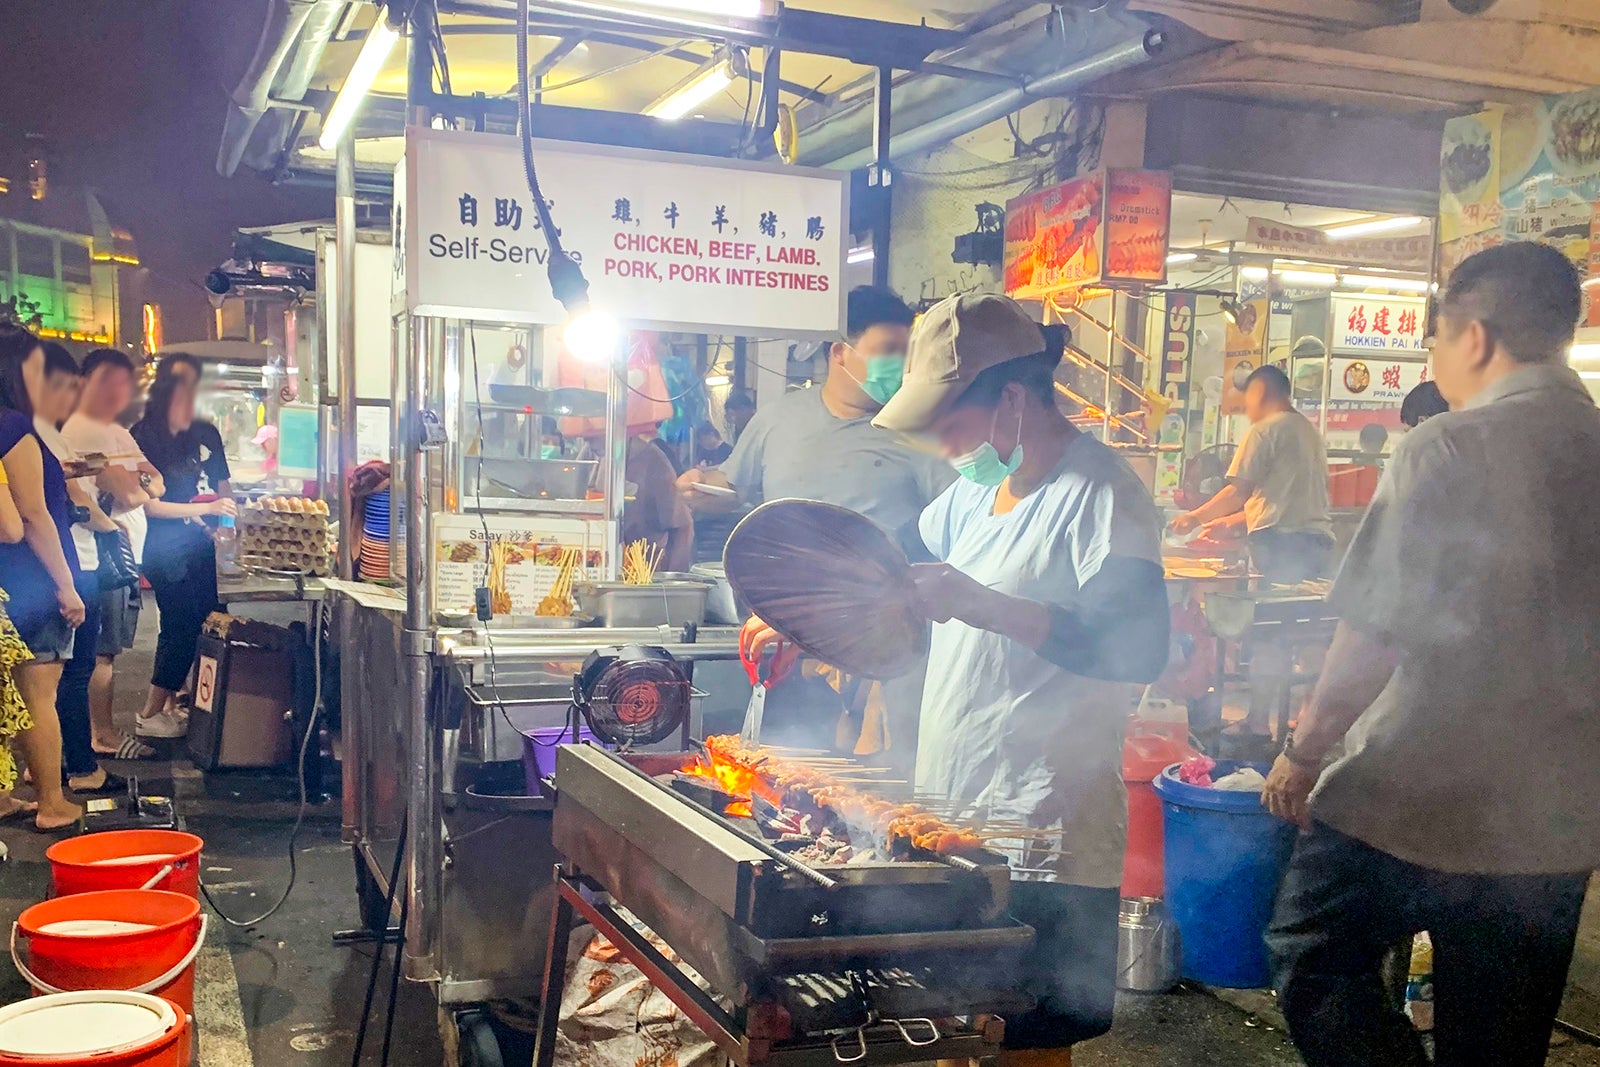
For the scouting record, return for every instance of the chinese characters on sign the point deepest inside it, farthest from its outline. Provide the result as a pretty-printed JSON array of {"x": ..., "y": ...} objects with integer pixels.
[
  {"x": 1309, "y": 242},
  {"x": 1379, "y": 324},
  {"x": 1524, "y": 174},
  {"x": 664, "y": 240}
]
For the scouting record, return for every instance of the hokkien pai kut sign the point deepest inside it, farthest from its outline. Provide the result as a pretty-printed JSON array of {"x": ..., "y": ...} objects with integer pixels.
[
  {"x": 666, "y": 241},
  {"x": 1394, "y": 325}
]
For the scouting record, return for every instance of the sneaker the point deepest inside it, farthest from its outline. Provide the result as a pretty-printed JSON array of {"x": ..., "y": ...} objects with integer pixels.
[{"x": 163, "y": 724}]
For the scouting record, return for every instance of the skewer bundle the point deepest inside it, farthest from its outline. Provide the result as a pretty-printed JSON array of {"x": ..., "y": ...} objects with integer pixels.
[
  {"x": 639, "y": 562},
  {"x": 558, "y": 602}
]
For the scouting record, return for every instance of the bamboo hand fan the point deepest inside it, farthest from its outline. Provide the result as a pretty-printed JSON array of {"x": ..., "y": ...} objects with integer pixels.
[{"x": 832, "y": 582}]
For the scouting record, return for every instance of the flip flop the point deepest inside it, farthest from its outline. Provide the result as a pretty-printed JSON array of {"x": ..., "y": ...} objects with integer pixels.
[
  {"x": 70, "y": 829},
  {"x": 25, "y": 809},
  {"x": 114, "y": 785}
]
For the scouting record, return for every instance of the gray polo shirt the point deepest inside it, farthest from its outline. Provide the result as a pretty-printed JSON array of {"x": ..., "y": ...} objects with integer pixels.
[
  {"x": 796, "y": 448},
  {"x": 1283, "y": 457},
  {"x": 1480, "y": 561}
]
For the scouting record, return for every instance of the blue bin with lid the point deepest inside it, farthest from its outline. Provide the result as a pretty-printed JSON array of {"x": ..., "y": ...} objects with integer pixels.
[{"x": 1225, "y": 855}]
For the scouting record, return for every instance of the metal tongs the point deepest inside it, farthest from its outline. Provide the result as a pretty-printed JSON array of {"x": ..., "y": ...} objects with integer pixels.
[{"x": 902, "y": 1025}]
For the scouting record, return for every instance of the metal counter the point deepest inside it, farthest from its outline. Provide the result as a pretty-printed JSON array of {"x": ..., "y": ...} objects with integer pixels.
[{"x": 487, "y": 918}]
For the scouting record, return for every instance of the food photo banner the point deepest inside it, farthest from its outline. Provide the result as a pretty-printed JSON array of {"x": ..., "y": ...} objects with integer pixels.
[
  {"x": 1111, "y": 228},
  {"x": 666, "y": 241},
  {"x": 1523, "y": 174}
]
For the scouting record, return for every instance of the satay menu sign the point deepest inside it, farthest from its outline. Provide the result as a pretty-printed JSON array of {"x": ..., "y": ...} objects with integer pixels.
[
  {"x": 666, "y": 241},
  {"x": 1104, "y": 229}
]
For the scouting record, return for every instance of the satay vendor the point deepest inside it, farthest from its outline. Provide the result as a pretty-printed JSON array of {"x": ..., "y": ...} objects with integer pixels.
[
  {"x": 1049, "y": 612},
  {"x": 820, "y": 444},
  {"x": 1279, "y": 481}
]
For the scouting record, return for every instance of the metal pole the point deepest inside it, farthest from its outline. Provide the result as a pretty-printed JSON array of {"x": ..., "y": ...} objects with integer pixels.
[
  {"x": 423, "y": 827},
  {"x": 617, "y": 461},
  {"x": 344, "y": 236},
  {"x": 422, "y": 743},
  {"x": 880, "y": 176},
  {"x": 1111, "y": 349}
]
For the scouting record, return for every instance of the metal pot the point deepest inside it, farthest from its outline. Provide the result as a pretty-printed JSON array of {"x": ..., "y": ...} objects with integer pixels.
[
  {"x": 721, "y": 605},
  {"x": 1147, "y": 946}
]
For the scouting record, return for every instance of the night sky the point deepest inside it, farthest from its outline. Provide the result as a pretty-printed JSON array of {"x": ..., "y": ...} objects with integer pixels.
[{"x": 130, "y": 95}]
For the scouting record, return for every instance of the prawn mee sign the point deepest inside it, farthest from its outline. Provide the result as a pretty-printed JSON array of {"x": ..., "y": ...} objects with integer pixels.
[
  {"x": 1524, "y": 174},
  {"x": 667, "y": 241}
]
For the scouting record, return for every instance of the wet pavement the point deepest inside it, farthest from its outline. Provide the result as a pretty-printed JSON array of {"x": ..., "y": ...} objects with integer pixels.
[{"x": 281, "y": 994}]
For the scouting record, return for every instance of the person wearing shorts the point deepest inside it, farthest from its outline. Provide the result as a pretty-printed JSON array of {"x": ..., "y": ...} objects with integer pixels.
[
  {"x": 108, "y": 387},
  {"x": 41, "y": 571}
]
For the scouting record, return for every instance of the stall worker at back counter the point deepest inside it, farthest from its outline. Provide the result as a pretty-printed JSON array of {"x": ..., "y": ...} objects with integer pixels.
[
  {"x": 1050, "y": 611},
  {"x": 1279, "y": 481},
  {"x": 820, "y": 444}
]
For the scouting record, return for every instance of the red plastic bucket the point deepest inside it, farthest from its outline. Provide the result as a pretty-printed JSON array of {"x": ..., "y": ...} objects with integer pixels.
[
  {"x": 137, "y": 940},
  {"x": 98, "y": 1028},
  {"x": 126, "y": 859}
]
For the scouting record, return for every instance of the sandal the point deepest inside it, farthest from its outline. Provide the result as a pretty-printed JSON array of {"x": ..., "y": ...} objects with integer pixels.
[
  {"x": 130, "y": 748},
  {"x": 113, "y": 785},
  {"x": 25, "y": 809}
]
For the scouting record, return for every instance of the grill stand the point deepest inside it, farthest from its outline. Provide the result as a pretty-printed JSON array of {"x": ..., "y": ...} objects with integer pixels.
[{"x": 739, "y": 1035}]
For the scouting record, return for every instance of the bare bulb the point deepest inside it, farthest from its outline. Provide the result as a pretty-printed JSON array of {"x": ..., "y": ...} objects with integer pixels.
[{"x": 594, "y": 336}]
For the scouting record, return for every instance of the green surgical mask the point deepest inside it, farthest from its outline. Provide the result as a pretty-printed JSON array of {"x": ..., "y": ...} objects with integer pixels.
[
  {"x": 983, "y": 464},
  {"x": 884, "y": 375},
  {"x": 549, "y": 451}
]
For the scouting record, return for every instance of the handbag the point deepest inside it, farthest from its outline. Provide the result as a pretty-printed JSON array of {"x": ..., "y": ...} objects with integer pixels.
[{"x": 117, "y": 568}]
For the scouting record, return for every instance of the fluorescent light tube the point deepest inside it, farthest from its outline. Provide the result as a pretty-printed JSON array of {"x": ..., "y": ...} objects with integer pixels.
[
  {"x": 1373, "y": 281},
  {"x": 714, "y": 381},
  {"x": 734, "y": 9},
  {"x": 1372, "y": 226},
  {"x": 353, "y": 93},
  {"x": 864, "y": 254},
  {"x": 1307, "y": 277},
  {"x": 715, "y": 75},
  {"x": 1182, "y": 257}
]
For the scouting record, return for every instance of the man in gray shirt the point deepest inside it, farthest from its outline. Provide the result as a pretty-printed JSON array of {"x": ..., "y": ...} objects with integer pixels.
[
  {"x": 820, "y": 444},
  {"x": 1279, "y": 481},
  {"x": 1463, "y": 684}
]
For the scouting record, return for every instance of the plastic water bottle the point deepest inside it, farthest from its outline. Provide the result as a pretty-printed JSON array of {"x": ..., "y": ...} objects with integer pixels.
[{"x": 227, "y": 545}]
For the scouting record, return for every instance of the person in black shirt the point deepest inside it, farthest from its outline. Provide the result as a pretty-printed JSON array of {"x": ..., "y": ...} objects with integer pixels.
[
  {"x": 204, "y": 432},
  {"x": 179, "y": 559}
]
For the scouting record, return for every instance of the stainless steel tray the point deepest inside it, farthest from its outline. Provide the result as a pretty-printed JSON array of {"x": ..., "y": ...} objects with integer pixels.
[{"x": 656, "y": 604}]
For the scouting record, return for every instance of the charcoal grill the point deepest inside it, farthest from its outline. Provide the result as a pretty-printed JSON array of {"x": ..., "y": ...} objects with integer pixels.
[{"x": 868, "y": 962}]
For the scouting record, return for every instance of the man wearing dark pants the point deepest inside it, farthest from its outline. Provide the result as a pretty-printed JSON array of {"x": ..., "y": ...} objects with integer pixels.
[
  {"x": 1462, "y": 685},
  {"x": 1279, "y": 482}
]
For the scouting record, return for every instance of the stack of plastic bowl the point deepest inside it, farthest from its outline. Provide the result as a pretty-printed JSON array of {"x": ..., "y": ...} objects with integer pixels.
[{"x": 374, "y": 557}]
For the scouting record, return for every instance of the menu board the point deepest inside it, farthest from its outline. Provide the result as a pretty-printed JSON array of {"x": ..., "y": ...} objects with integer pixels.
[
  {"x": 1109, "y": 228},
  {"x": 1524, "y": 174},
  {"x": 461, "y": 558}
]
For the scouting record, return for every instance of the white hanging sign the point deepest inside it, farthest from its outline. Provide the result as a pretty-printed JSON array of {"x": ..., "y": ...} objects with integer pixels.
[{"x": 667, "y": 241}]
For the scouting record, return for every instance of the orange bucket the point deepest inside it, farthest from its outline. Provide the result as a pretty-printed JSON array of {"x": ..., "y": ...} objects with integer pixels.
[
  {"x": 126, "y": 859},
  {"x": 98, "y": 1028},
  {"x": 137, "y": 940}
]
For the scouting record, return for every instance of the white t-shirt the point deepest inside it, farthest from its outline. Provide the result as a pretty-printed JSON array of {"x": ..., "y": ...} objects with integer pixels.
[
  {"x": 1284, "y": 459},
  {"x": 1005, "y": 734},
  {"x": 86, "y": 435},
  {"x": 82, "y": 537}
]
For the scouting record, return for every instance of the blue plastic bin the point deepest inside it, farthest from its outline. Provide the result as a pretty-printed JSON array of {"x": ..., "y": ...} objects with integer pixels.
[{"x": 1225, "y": 854}]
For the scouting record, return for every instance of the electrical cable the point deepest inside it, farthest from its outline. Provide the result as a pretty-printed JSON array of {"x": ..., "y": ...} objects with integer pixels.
[
  {"x": 483, "y": 518},
  {"x": 300, "y": 814},
  {"x": 377, "y": 957},
  {"x": 552, "y": 236},
  {"x": 394, "y": 980}
]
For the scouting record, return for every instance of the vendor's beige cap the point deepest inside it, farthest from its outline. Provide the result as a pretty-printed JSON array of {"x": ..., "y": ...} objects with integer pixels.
[{"x": 952, "y": 343}]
